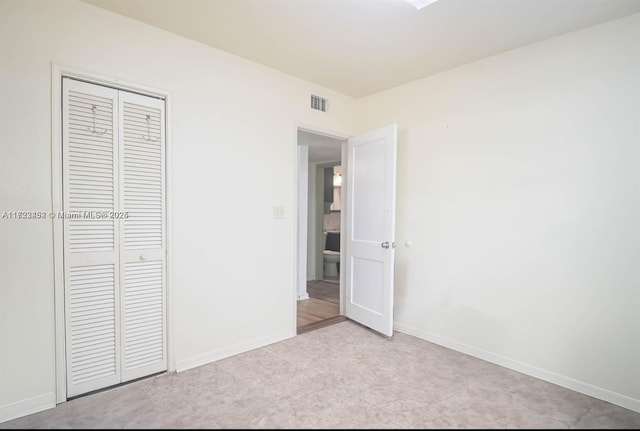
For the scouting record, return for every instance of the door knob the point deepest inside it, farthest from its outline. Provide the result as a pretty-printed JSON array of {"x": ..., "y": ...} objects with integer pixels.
[{"x": 385, "y": 244}]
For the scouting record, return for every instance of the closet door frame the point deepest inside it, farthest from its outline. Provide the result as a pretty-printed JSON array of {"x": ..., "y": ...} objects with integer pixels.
[{"x": 58, "y": 72}]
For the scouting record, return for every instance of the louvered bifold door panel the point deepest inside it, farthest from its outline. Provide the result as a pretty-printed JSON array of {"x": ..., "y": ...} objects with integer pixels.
[
  {"x": 142, "y": 183},
  {"x": 91, "y": 237}
]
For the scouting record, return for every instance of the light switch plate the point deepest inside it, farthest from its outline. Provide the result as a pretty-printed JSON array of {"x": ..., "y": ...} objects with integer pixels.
[{"x": 278, "y": 212}]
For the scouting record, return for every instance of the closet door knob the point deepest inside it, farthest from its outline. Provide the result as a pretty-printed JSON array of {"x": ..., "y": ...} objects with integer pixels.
[{"x": 385, "y": 244}]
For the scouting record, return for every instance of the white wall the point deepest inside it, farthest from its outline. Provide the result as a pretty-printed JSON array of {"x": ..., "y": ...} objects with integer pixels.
[
  {"x": 303, "y": 217},
  {"x": 234, "y": 159},
  {"x": 331, "y": 221},
  {"x": 519, "y": 186},
  {"x": 312, "y": 222}
]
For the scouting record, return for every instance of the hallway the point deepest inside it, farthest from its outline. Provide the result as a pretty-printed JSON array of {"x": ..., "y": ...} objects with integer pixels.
[{"x": 322, "y": 308}]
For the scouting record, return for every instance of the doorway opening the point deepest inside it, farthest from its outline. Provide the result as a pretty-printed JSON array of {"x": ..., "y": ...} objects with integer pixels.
[{"x": 320, "y": 218}]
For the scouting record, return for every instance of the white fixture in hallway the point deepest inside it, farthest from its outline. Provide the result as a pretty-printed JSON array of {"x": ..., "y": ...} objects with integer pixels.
[{"x": 330, "y": 258}]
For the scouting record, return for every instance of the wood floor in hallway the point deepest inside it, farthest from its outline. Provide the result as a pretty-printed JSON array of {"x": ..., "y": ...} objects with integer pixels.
[{"x": 322, "y": 308}]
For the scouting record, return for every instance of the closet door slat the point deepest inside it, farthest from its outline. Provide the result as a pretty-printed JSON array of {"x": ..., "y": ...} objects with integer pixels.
[
  {"x": 91, "y": 245},
  {"x": 142, "y": 197}
]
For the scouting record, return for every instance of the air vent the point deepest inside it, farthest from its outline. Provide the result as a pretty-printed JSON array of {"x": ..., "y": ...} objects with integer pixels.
[{"x": 318, "y": 103}]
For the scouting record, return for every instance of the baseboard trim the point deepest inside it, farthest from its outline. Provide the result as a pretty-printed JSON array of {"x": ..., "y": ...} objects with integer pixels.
[
  {"x": 215, "y": 355},
  {"x": 303, "y": 296},
  {"x": 549, "y": 376},
  {"x": 26, "y": 407}
]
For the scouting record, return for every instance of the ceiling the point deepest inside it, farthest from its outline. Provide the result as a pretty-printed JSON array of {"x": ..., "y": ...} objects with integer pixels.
[
  {"x": 322, "y": 149},
  {"x": 360, "y": 47}
]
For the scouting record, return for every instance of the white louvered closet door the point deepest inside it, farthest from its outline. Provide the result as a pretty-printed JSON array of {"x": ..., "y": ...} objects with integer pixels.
[
  {"x": 91, "y": 258},
  {"x": 142, "y": 256},
  {"x": 115, "y": 276}
]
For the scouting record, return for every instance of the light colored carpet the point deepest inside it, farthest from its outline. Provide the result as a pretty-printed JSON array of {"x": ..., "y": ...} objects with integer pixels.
[{"x": 341, "y": 376}]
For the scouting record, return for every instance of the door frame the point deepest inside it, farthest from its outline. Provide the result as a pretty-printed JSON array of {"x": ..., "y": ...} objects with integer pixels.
[
  {"x": 300, "y": 272},
  {"x": 59, "y": 71}
]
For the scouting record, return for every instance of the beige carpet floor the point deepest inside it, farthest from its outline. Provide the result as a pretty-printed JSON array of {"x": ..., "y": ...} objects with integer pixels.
[{"x": 341, "y": 376}]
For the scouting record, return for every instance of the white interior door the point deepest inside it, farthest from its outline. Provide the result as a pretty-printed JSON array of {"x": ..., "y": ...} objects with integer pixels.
[
  {"x": 142, "y": 249},
  {"x": 92, "y": 314},
  {"x": 115, "y": 249},
  {"x": 371, "y": 185}
]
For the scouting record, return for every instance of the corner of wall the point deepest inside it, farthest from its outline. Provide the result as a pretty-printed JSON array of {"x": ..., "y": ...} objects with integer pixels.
[
  {"x": 215, "y": 355},
  {"x": 530, "y": 370},
  {"x": 27, "y": 407}
]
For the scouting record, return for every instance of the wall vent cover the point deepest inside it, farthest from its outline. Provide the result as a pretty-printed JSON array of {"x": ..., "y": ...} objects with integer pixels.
[{"x": 318, "y": 103}]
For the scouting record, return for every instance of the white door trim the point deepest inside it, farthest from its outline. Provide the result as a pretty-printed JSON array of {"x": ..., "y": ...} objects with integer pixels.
[
  {"x": 59, "y": 71},
  {"x": 302, "y": 212}
]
